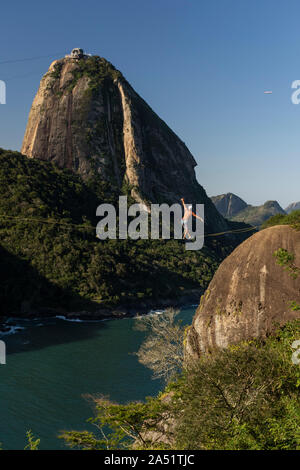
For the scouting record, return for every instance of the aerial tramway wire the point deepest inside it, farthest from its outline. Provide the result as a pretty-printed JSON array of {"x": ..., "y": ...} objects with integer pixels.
[{"x": 14, "y": 61}]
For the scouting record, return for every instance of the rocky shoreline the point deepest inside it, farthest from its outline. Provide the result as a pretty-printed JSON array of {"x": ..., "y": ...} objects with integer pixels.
[{"x": 189, "y": 297}]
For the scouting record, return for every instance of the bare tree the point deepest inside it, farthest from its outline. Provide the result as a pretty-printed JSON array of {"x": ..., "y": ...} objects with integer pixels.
[{"x": 162, "y": 350}]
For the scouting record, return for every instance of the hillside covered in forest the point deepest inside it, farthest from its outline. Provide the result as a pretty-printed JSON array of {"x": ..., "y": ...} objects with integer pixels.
[{"x": 51, "y": 258}]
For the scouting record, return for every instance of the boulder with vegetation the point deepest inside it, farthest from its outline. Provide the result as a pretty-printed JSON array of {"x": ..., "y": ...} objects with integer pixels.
[{"x": 250, "y": 293}]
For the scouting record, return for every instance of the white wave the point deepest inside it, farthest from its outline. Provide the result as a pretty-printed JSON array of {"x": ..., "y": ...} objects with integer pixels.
[
  {"x": 79, "y": 320},
  {"x": 12, "y": 330},
  {"x": 74, "y": 320},
  {"x": 151, "y": 312}
]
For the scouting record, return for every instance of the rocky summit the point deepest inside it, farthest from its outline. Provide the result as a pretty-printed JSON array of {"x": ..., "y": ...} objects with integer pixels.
[
  {"x": 229, "y": 204},
  {"x": 86, "y": 117}
]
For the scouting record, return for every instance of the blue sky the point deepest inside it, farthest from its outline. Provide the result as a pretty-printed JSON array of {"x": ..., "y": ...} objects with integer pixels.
[{"x": 202, "y": 65}]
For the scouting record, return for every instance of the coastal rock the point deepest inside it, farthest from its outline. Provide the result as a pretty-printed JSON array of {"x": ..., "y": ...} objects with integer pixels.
[{"x": 250, "y": 294}]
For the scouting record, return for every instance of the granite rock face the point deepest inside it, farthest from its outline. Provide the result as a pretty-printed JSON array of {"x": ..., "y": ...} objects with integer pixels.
[
  {"x": 71, "y": 123},
  {"x": 86, "y": 117},
  {"x": 249, "y": 294}
]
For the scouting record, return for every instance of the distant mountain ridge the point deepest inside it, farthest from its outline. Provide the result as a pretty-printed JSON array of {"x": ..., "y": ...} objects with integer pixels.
[
  {"x": 229, "y": 204},
  {"x": 294, "y": 206},
  {"x": 257, "y": 215},
  {"x": 234, "y": 208}
]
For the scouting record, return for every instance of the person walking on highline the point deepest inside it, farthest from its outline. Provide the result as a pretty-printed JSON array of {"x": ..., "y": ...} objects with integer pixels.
[{"x": 188, "y": 212}]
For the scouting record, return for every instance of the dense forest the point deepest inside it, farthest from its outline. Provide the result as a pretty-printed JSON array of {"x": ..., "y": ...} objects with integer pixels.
[{"x": 51, "y": 258}]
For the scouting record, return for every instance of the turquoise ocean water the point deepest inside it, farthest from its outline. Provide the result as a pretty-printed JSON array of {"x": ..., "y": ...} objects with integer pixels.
[{"x": 51, "y": 365}]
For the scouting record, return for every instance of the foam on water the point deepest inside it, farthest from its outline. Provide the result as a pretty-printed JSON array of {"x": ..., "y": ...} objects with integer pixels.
[
  {"x": 12, "y": 330},
  {"x": 74, "y": 320}
]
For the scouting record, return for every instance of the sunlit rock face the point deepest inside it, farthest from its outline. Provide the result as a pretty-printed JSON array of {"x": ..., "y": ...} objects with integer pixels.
[
  {"x": 86, "y": 117},
  {"x": 250, "y": 294}
]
